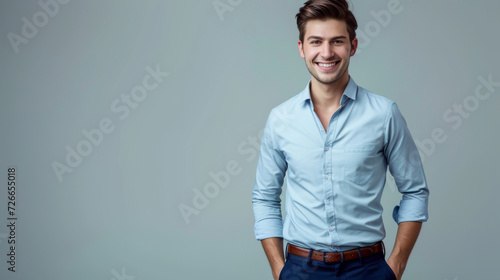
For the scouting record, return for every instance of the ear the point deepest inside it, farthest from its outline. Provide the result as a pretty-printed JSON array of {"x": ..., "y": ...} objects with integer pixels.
[
  {"x": 354, "y": 46},
  {"x": 301, "y": 49}
]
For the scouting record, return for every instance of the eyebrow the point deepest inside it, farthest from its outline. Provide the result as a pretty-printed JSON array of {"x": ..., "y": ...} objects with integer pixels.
[{"x": 321, "y": 38}]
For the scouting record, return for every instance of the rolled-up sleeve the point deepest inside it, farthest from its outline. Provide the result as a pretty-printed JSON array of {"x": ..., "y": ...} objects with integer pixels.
[
  {"x": 271, "y": 169},
  {"x": 406, "y": 167}
]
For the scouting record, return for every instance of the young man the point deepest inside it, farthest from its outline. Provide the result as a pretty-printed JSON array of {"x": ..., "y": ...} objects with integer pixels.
[{"x": 334, "y": 140}]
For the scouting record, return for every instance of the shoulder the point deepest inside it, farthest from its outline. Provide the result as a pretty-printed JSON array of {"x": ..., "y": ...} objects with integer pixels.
[
  {"x": 288, "y": 108},
  {"x": 376, "y": 106},
  {"x": 374, "y": 100}
]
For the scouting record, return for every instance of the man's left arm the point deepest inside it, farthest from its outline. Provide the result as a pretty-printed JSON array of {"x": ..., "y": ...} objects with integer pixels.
[
  {"x": 405, "y": 240},
  {"x": 406, "y": 167}
]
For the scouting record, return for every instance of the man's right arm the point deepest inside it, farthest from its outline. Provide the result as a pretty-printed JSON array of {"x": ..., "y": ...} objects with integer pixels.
[
  {"x": 271, "y": 169},
  {"x": 274, "y": 251}
]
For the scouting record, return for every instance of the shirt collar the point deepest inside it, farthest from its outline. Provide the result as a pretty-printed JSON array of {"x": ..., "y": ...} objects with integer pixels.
[{"x": 350, "y": 91}]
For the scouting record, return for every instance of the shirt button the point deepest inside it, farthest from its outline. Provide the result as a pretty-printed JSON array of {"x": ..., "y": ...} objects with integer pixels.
[
  {"x": 327, "y": 148},
  {"x": 332, "y": 228}
]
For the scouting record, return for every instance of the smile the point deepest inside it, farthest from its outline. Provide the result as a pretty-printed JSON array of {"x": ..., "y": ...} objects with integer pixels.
[{"x": 327, "y": 66}]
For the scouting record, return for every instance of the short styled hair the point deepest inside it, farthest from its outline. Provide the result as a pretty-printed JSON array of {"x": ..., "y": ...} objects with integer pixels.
[{"x": 324, "y": 9}]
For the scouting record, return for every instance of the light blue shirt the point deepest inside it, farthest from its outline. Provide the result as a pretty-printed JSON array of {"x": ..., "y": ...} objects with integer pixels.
[{"x": 335, "y": 178}]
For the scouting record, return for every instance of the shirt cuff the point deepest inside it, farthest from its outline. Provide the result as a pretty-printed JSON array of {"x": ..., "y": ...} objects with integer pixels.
[
  {"x": 410, "y": 210},
  {"x": 268, "y": 228}
]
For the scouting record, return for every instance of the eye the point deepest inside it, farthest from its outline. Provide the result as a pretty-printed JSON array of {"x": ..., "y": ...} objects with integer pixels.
[
  {"x": 315, "y": 42},
  {"x": 337, "y": 42}
]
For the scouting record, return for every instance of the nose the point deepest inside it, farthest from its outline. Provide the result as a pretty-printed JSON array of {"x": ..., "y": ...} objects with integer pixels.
[{"x": 327, "y": 52}]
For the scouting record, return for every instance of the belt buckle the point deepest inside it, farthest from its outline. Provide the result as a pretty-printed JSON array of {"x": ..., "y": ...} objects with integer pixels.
[{"x": 341, "y": 257}]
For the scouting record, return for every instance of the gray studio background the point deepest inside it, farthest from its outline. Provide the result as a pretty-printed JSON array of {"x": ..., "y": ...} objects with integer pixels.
[{"x": 116, "y": 215}]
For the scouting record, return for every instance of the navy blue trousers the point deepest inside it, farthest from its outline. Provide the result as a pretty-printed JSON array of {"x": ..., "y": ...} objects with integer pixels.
[{"x": 373, "y": 267}]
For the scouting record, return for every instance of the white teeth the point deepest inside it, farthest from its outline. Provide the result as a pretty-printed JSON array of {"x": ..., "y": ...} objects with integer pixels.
[{"x": 327, "y": 65}]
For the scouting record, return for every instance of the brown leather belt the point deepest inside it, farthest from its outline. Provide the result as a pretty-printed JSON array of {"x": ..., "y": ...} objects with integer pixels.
[{"x": 335, "y": 257}]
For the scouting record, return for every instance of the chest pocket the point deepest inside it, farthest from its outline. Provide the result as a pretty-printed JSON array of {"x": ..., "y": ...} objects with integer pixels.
[{"x": 361, "y": 163}]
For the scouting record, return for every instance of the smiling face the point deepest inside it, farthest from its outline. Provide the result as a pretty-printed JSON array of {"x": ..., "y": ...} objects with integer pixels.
[{"x": 327, "y": 50}]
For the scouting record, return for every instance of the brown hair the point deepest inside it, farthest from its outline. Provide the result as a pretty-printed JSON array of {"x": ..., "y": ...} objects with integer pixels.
[{"x": 324, "y": 9}]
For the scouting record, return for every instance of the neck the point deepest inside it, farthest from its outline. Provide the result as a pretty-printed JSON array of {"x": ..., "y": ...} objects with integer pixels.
[{"x": 327, "y": 96}]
